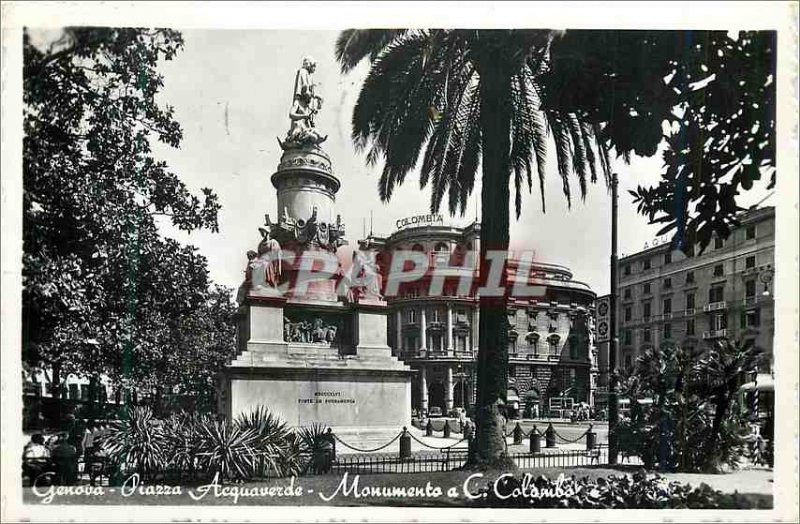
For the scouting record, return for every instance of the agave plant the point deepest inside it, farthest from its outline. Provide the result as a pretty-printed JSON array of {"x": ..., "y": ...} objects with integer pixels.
[
  {"x": 275, "y": 444},
  {"x": 226, "y": 449},
  {"x": 180, "y": 433},
  {"x": 137, "y": 443},
  {"x": 313, "y": 444}
]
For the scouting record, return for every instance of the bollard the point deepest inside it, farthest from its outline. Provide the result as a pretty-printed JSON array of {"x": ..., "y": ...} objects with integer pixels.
[
  {"x": 591, "y": 438},
  {"x": 446, "y": 429},
  {"x": 517, "y": 434},
  {"x": 536, "y": 443},
  {"x": 428, "y": 429},
  {"x": 405, "y": 444},
  {"x": 550, "y": 436}
]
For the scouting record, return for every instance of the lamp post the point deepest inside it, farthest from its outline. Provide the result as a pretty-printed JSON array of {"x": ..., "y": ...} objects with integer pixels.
[{"x": 612, "y": 340}]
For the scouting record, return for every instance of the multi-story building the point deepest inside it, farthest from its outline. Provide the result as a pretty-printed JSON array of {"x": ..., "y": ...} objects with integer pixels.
[
  {"x": 550, "y": 346},
  {"x": 665, "y": 296}
]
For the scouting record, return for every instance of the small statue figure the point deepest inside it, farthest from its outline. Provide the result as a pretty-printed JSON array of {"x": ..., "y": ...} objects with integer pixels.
[
  {"x": 269, "y": 252},
  {"x": 319, "y": 332},
  {"x": 330, "y": 336},
  {"x": 364, "y": 274}
]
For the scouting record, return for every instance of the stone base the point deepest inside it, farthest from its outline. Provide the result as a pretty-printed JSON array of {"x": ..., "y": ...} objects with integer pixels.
[{"x": 342, "y": 393}]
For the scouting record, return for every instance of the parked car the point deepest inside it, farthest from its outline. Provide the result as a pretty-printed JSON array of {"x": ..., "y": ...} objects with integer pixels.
[{"x": 435, "y": 412}]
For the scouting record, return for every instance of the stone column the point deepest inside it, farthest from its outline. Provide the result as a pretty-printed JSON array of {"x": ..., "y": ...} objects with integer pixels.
[
  {"x": 423, "y": 329},
  {"x": 450, "y": 328},
  {"x": 423, "y": 389},
  {"x": 475, "y": 328},
  {"x": 448, "y": 392},
  {"x": 398, "y": 340}
]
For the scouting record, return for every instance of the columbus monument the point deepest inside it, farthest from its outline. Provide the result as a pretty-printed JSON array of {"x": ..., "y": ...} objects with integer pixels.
[{"x": 312, "y": 342}]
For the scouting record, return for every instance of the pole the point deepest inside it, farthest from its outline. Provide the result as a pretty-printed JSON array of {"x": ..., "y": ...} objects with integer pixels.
[{"x": 613, "y": 340}]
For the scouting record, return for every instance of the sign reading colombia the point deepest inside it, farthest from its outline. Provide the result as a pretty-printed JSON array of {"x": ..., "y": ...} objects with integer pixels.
[{"x": 419, "y": 220}]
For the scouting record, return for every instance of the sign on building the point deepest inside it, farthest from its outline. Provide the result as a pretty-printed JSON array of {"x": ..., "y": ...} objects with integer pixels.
[{"x": 602, "y": 312}]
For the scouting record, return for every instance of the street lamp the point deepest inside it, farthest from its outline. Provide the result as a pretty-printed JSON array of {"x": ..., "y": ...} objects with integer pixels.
[{"x": 766, "y": 277}]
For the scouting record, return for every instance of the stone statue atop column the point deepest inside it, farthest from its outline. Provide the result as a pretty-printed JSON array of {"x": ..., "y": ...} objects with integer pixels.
[
  {"x": 306, "y": 103},
  {"x": 365, "y": 276}
]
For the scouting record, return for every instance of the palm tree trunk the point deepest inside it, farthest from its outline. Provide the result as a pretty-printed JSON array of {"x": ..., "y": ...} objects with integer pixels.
[{"x": 490, "y": 445}]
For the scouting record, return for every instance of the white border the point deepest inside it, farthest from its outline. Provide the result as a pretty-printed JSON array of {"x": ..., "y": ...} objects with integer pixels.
[{"x": 336, "y": 15}]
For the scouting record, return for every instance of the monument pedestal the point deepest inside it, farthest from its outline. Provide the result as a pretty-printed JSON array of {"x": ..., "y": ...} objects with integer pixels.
[{"x": 353, "y": 384}]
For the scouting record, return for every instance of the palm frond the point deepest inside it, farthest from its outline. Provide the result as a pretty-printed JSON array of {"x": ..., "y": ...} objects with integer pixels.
[
  {"x": 354, "y": 45},
  {"x": 563, "y": 151}
]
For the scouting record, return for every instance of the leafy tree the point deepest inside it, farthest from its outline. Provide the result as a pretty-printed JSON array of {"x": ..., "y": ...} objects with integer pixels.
[
  {"x": 467, "y": 98},
  {"x": 496, "y": 97},
  {"x": 103, "y": 292},
  {"x": 713, "y": 91}
]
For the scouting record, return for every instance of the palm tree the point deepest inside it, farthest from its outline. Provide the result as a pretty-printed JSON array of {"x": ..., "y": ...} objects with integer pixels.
[
  {"x": 721, "y": 372},
  {"x": 468, "y": 98}
]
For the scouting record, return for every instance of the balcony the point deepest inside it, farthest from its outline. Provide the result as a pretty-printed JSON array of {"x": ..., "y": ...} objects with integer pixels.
[
  {"x": 718, "y": 333},
  {"x": 689, "y": 311},
  {"x": 668, "y": 315},
  {"x": 750, "y": 301},
  {"x": 715, "y": 306}
]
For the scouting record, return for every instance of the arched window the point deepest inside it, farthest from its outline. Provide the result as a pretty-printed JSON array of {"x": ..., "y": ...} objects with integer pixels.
[
  {"x": 417, "y": 247},
  {"x": 441, "y": 254}
]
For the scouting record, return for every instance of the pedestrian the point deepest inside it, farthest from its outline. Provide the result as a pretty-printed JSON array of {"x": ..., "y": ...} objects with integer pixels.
[
  {"x": 35, "y": 457},
  {"x": 65, "y": 458}
]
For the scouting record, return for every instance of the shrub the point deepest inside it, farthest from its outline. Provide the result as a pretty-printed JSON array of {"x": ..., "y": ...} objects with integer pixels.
[
  {"x": 226, "y": 449},
  {"x": 314, "y": 444},
  {"x": 276, "y": 446},
  {"x": 639, "y": 491},
  {"x": 137, "y": 443}
]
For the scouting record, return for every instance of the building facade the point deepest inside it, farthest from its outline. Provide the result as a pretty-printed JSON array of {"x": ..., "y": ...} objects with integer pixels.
[
  {"x": 665, "y": 296},
  {"x": 550, "y": 346}
]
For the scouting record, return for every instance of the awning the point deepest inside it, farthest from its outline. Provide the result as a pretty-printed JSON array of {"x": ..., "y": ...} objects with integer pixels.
[
  {"x": 763, "y": 382},
  {"x": 511, "y": 396}
]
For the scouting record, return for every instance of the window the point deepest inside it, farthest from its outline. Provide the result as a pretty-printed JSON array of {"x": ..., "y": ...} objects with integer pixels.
[
  {"x": 627, "y": 293},
  {"x": 750, "y": 232},
  {"x": 750, "y": 288},
  {"x": 436, "y": 315},
  {"x": 718, "y": 322},
  {"x": 627, "y": 270},
  {"x": 668, "y": 258},
  {"x": 750, "y": 262},
  {"x": 628, "y": 337},
  {"x": 718, "y": 270},
  {"x": 646, "y": 288},
  {"x": 73, "y": 392},
  {"x": 512, "y": 370},
  {"x": 667, "y": 330},
  {"x": 667, "y": 306},
  {"x": 646, "y": 313},
  {"x": 751, "y": 318},
  {"x": 690, "y": 277},
  {"x": 647, "y": 335},
  {"x": 667, "y": 283},
  {"x": 553, "y": 344},
  {"x": 461, "y": 315},
  {"x": 84, "y": 391},
  {"x": 436, "y": 342},
  {"x": 411, "y": 316},
  {"x": 689, "y": 300},
  {"x": 628, "y": 315},
  {"x": 690, "y": 327},
  {"x": 716, "y": 294},
  {"x": 461, "y": 343},
  {"x": 646, "y": 263},
  {"x": 411, "y": 343},
  {"x": 718, "y": 243},
  {"x": 628, "y": 361}
]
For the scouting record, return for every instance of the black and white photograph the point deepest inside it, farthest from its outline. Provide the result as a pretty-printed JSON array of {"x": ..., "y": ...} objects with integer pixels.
[{"x": 372, "y": 262}]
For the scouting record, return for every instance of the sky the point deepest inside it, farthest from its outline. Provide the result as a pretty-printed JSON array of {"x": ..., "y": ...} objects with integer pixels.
[{"x": 232, "y": 90}]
